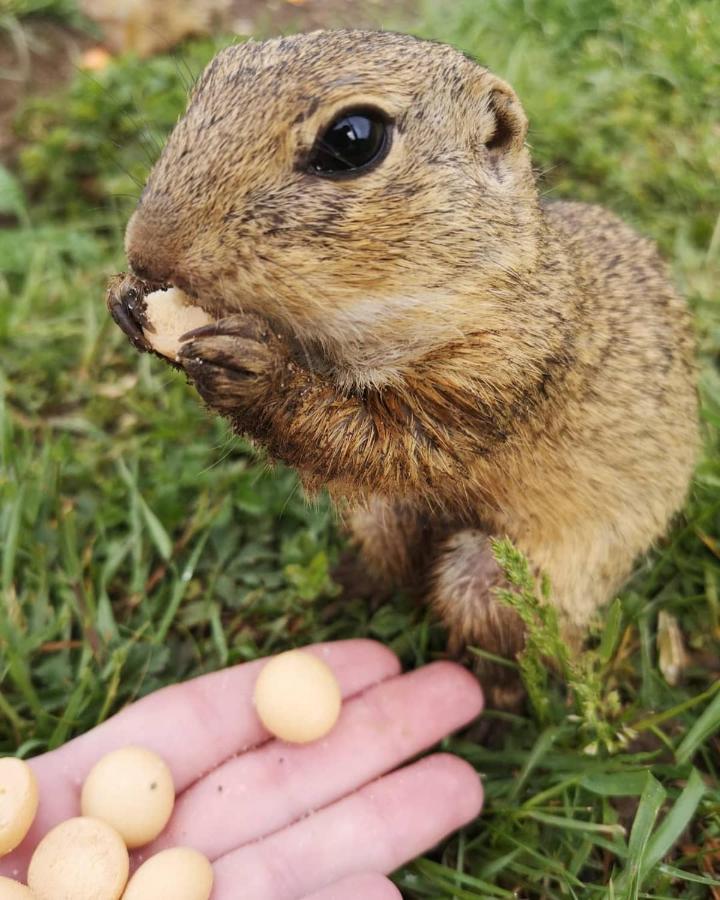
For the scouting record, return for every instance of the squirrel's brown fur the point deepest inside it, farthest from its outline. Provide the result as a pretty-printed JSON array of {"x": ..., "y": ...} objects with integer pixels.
[{"x": 428, "y": 340}]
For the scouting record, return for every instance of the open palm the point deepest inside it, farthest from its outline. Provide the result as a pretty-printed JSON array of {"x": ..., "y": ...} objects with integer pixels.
[{"x": 279, "y": 821}]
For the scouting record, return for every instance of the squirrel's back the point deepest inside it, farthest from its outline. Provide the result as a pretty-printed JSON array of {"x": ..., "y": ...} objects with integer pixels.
[
  {"x": 613, "y": 466},
  {"x": 637, "y": 330}
]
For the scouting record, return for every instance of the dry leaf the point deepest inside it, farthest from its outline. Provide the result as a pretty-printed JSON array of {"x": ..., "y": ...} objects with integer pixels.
[{"x": 672, "y": 657}]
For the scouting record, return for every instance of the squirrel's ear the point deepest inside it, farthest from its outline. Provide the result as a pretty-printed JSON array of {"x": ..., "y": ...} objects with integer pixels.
[{"x": 511, "y": 123}]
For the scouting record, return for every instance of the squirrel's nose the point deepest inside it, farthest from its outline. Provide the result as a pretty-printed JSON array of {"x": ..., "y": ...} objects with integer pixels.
[{"x": 153, "y": 243}]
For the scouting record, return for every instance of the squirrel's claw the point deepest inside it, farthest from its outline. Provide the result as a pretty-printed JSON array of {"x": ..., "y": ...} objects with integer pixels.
[
  {"x": 231, "y": 361},
  {"x": 250, "y": 327},
  {"x": 126, "y": 303}
]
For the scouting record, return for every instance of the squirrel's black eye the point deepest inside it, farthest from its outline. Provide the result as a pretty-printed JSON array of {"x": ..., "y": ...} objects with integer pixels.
[{"x": 355, "y": 140}]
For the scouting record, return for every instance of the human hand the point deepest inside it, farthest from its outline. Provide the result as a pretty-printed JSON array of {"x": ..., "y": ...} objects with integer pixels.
[{"x": 320, "y": 821}]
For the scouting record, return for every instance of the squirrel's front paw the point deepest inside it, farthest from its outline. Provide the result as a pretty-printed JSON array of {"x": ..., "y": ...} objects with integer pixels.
[
  {"x": 126, "y": 302},
  {"x": 232, "y": 362}
]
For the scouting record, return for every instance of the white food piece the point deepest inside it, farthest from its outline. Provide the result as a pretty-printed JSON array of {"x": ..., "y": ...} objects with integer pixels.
[
  {"x": 18, "y": 802},
  {"x": 171, "y": 314},
  {"x": 132, "y": 790},
  {"x": 297, "y": 697},
  {"x": 176, "y": 874},
  {"x": 80, "y": 859},
  {"x": 13, "y": 890}
]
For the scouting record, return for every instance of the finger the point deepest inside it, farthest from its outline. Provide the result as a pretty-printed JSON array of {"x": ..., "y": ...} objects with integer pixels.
[
  {"x": 263, "y": 791},
  {"x": 365, "y": 887},
  {"x": 194, "y": 726},
  {"x": 382, "y": 826}
]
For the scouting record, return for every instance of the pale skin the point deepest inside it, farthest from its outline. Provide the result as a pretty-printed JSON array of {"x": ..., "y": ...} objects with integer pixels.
[{"x": 325, "y": 821}]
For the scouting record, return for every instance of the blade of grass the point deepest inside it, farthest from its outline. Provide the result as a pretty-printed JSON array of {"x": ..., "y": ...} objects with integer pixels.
[
  {"x": 78, "y": 698},
  {"x": 683, "y": 875},
  {"x": 676, "y": 821},
  {"x": 704, "y": 726},
  {"x": 542, "y": 745},
  {"x": 675, "y": 711},
  {"x": 179, "y": 590},
  {"x": 494, "y": 658},
  {"x": 575, "y": 824},
  {"x": 158, "y": 534},
  {"x": 616, "y": 784},
  {"x": 439, "y": 871},
  {"x": 611, "y": 632},
  {"x": 10, "y": 541},
  {"x": 651, "y": 800}
]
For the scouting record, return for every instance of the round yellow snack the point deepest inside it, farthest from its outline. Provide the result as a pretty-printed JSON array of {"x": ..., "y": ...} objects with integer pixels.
[
  {"x": 176, "y": 874},
  {"x": 18, "y": 802},
  {"x": 13, "y": 890},
  {"x": 297, "y": 697},
  {"x": 131, "y": 789},
  {"x": 80, "y": 859},
  {"x": 171, "y": 314}
]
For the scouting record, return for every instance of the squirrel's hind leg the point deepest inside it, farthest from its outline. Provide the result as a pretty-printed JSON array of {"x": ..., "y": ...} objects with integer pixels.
[
  {"x": 399, "y": 546},
  {"x": 394, "y": 541},
  {"x": 462, "y": 584}
]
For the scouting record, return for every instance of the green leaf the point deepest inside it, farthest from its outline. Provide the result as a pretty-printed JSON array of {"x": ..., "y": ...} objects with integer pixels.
[
  {"x": 180, "y": 588},
  {"x": 159, "y": 536},
  {"x": 703, "y": 727},
  {"x": 312, "y": 579},
  {"x": 674, "y": 872},
  {"x": 11, "y": 529},
  {"x": 675, "y": 822},
  {"x": 611, "y": 632},
  {"x": 542, "y": 745},
  {"x": 453, "y": 879},
  {"x": 12, "y": 198},
  {"x": 575, "y": 824},
  {"x": 21, "y": 248},
  {"x": 157, "y": 532},
  {"x": 77, "y": 699},
  {"x": 652, "y": 799},
  {"x": 616, "y": 784}
]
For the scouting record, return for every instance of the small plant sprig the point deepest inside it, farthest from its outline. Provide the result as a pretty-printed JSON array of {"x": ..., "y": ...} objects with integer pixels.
[{"x": 546, "y": 659}]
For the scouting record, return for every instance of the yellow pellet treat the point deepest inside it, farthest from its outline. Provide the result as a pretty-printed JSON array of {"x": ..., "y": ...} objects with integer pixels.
[
  {"x": 176, "y": 874},
  {"x": 297, "y": 697},
  {"x": 13, "y": 890},
  {"x": 80, "y": 859},
  {"x": 18, "y": 802},
  {"x": 132, "y": 790}
]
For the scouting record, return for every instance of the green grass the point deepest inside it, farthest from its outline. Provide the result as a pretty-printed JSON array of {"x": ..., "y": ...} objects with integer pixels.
[
  {"x": 12, "y": 12},
  {"x": 141, "y": 544}
]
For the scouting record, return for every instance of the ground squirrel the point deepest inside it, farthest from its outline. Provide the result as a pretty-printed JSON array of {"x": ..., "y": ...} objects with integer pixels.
[{"x": 408, "y": 324}]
